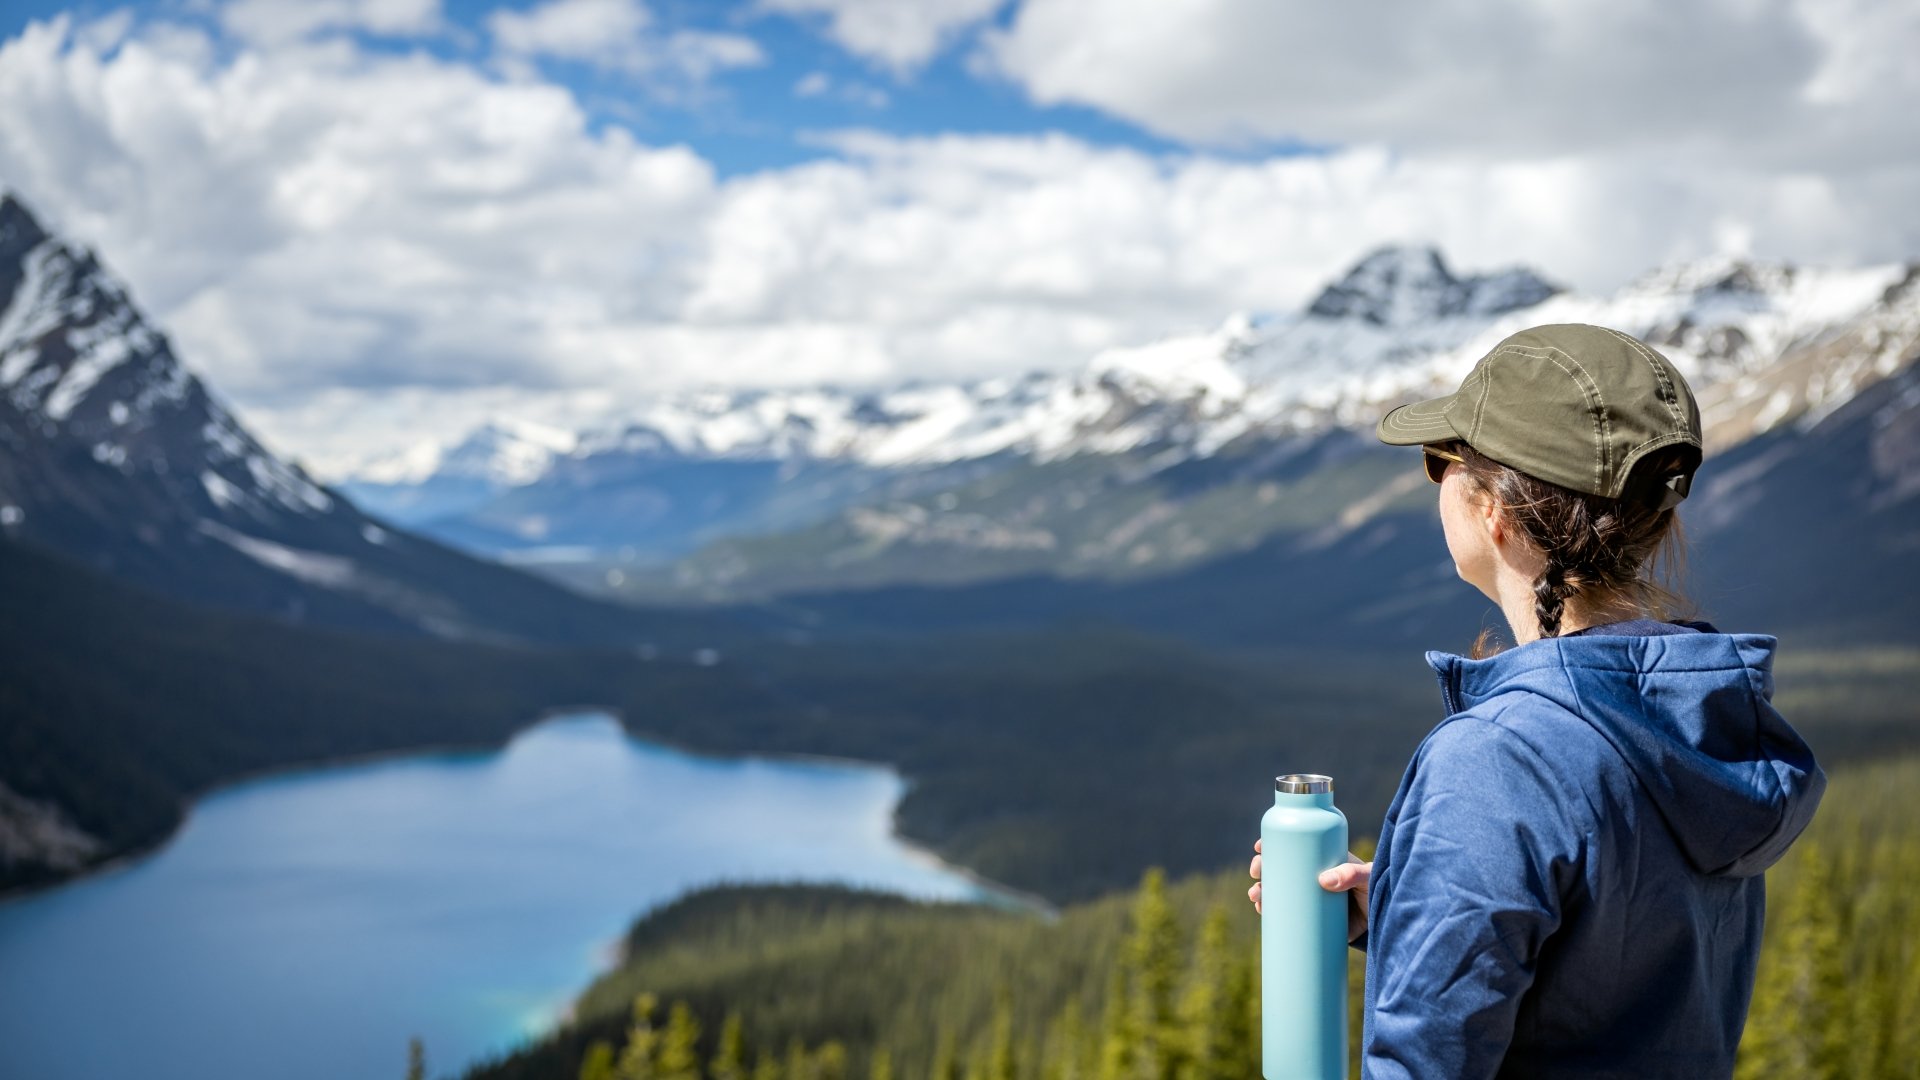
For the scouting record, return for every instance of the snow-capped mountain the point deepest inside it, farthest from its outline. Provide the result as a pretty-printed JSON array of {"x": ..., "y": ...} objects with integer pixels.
[
  {"x": 429, "y": 481},
  {"x": 506, "y": 451},
  {"x": 1399, "y": 324},
  {"x": 111, "y": 452},
  {"x": 1405, "y": 286}
]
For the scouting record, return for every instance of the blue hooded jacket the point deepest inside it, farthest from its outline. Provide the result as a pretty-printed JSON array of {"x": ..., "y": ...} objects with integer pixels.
[{"x": 1567, "y": 883}]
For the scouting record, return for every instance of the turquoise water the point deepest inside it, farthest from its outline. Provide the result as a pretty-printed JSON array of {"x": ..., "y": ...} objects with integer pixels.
[{"x": 307, "y": 924}]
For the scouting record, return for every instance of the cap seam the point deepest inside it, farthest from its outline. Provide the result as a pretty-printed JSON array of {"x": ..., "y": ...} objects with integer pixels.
[
  {"x": 1603, "y": 457},
  {"x": 1480, "y": 407},
  {"x": 1671, "y": 397},
  {"x": 1395, "y": 419}
]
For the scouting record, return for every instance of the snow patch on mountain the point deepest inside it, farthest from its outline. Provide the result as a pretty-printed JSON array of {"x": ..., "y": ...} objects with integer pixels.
[
  {"x": 1400, "y": 324},
  {"x": 506, "y": 451},
  {"x": 331, "y": 571}
]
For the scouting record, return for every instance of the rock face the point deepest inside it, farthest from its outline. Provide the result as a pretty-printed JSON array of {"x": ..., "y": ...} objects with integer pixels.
[
  {"x": 764, "y": 492},
  {"x": 33, "y": 832},
  {"x": 112, "y": 453},
  {"x": 1400, "y": 286}
]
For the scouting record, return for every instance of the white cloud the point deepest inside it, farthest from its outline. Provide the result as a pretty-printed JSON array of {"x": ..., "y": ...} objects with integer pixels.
[
  {"x": 899, "y": 34},
  {"x": 1728, "y": 80},
  {"x": 617, "y": 34},
  {"x": 357, "y": 248},
  {"x": 818, "y": 84},
  {"x": 281, "y": 21}
]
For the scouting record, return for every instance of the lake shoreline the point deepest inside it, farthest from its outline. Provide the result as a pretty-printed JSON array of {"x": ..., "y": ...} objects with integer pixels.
[
  {"x": 131, "y": 858},
  {"x": 647, "y": 823}
]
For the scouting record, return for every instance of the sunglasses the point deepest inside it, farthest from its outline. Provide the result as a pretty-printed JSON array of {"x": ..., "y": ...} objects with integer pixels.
[{"x": 1435, "y": 460}]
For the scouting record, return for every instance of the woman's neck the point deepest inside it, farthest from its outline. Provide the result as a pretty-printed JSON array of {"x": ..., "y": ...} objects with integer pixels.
[{"x": 1577, "y": 613}]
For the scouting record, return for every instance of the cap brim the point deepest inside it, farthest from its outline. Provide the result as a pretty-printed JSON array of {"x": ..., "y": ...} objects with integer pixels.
[{"x": 1420, "y": 422}]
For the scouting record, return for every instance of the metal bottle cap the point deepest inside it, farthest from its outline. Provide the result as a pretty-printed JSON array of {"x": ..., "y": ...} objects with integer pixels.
[{"x": 1304, "y": 784}]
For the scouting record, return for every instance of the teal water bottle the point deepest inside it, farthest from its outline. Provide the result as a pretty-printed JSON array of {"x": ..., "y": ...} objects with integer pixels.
[{"x": 1303, "y": 934}]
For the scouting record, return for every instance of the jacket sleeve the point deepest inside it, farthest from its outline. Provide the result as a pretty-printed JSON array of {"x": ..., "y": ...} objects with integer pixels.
[{"x": 1481, "y": 854}]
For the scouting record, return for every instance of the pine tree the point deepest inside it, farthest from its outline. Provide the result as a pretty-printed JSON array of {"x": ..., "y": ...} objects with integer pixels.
[
  {"x": 799, "y": 1065},
  {"x": 977, "y": 1061},
  {"x": 830, "y": 1061},
  {"x": 637, "y": 1057},
  {"x": 679, "y": 1057},
  {"x": 766, "y": 1066},
  {"x": 416, "y": 1059},
  {"x": 944, "y": 1066},
  {"x": 999, "y": 1064},
  {"x": 1061, "y": 1060},
  {"x": 730, "y": 1060},
  {"x": 598, "y": 1064},
  {"x": 1208, "y": 1017},
  {"x": 1153, "y": 952},
  {"x": 1795, "y": 1024},
  {"x": 1118, "y": 1047}
]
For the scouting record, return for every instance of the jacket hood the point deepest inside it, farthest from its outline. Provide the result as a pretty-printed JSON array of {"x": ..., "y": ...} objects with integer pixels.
[{"x": 1691, "y": 714}]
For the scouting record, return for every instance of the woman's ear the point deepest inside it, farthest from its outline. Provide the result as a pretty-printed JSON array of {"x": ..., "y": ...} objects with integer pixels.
[{"x": 1494, "y": 522}]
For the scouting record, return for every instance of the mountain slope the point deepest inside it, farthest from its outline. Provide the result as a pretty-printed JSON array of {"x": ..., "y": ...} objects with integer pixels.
[
  {"x": 1151, "y": 460},
  {"x": 112, "y": 452},
  {"x": 1198, "y": 394},
  {"x": 118, "y": 704}
]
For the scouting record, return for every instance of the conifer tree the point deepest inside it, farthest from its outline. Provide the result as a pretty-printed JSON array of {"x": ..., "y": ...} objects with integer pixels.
[
  {"x": 766, "y": 1066},
  {"x": 598, "y": 1064},
  {"x": 636, "y": 1060},
  {"x": 977, "y": 1061},
  {"x": 730, "y": 1059},
  {"x": 944, "y": 1066},
  {"x": 799, "y": 1065},
  {"x": 1791, "y": 1024},
  {"x": 830, "y": 1061},
  {"x": 1118, "y": 1048},
  {"x": 999, "y": 1063},
  {"x": 1062, "y": 1057},
  {"x": 1208, "y": 1012},
  {"x": 1153, "y": 952},
  {"x": 678, "y": 1057},
  {"x": 416, "y": 1059}
]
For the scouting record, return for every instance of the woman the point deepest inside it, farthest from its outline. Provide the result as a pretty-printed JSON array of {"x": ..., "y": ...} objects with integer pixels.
[{"x": 1568, "y": 881}]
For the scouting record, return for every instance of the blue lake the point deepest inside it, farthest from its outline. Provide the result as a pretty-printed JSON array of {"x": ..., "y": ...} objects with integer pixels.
[{"x": 305, "y": 925}]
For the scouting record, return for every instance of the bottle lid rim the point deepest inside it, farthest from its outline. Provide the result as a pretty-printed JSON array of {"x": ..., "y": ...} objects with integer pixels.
[{"x": 1304, "y": 784}]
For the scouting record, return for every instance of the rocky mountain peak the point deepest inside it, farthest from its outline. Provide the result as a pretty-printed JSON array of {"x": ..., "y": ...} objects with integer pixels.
[
  {"x": 1402, "y": 285},
  {"x": 19, "y": 231}
]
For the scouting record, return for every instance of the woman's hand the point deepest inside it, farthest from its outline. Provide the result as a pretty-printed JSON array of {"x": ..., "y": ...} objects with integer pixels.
[{"x": 1352, "y": 877}]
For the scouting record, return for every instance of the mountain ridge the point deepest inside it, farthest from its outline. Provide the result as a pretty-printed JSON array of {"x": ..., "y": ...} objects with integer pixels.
[{"x": 112, "y": 452}]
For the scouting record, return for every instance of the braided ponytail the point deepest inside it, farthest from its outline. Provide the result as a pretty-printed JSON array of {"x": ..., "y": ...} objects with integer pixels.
[
  {"x": 1550, "y": 594},
  {"x": 1595, "y": 548}
]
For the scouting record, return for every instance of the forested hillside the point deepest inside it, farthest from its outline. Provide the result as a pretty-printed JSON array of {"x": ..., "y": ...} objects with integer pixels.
[
  {"x": 1059, "y": 761},
  {"x": 815, "y": 983}
]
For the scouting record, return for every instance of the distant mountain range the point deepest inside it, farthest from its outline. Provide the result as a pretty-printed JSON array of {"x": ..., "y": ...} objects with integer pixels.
[
  {"x": 981, "y": 583},
  {"x": 1150, "y": 462},
  {"x": 112, "y": 453}
]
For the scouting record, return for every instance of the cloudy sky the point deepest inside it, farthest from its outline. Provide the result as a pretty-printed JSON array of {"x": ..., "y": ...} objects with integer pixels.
[{"x": 369, "y": 221}]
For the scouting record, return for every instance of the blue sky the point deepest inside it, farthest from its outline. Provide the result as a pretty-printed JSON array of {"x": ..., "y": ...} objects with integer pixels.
[
  {"x": 369, "y": 221},
  {"x": 756, "y": 116}
]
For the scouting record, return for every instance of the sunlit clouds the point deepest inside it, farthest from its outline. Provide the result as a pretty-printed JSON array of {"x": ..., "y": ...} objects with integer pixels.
[{"x": 338, "y": 231}]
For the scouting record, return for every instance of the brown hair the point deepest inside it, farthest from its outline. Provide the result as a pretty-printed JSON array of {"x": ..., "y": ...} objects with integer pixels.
[{"x": 1594, "y": 546}]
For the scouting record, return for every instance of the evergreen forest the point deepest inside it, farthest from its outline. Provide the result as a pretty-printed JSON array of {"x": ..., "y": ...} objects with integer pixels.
[{"x": 1161, "y": 982}]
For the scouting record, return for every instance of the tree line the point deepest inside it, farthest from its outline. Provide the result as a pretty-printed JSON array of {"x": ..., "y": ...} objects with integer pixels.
[{"x": 1162, "y": 983}]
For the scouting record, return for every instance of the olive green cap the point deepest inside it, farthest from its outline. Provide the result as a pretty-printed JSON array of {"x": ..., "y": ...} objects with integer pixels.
[{"x": 1571, "y": 404}]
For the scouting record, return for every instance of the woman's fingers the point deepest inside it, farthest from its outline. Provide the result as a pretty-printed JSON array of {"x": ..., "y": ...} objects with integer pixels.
[
  {"x": 1253, "y": 894},
  {"x": 1345, "y": 876}
]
